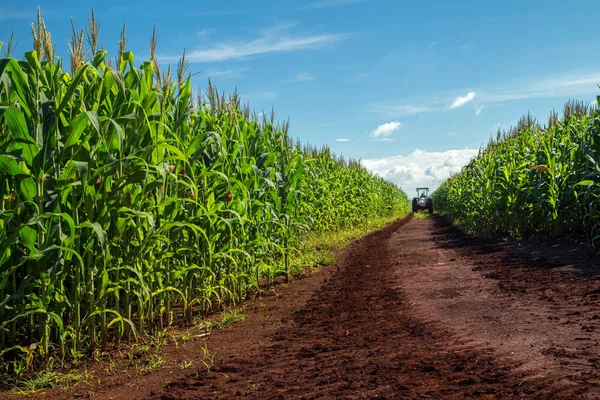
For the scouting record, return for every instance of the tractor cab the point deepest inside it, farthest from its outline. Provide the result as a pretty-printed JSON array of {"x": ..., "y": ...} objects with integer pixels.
[
  {"x": 422, "y": 192},
  {"x": 422, "y": 201}
]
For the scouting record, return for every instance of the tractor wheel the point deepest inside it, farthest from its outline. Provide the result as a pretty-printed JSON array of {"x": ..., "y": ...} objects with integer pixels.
[
  {"x": 430, "y": 205},
  {"x": 415, "y": 207}
]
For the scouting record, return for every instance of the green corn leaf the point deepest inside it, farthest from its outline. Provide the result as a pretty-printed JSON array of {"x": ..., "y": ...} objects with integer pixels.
[
  {"x": 100, "y": 233},
  {"x": 58, "y": 321},
  {"x": 99, "y": 58},
  {"x": 27, "y": 189},
  {"x": 78, "y": 124},
  {"x": 97, "y": 228},
  {"x": 23, "y": 140},
  {"x": 19, "y": 83},
  {"x": 9, "y": 166},
  {"x": 28, "y": 237},
  {"x": 34, "y": 62},
  {"x": 71, "y": 88}
]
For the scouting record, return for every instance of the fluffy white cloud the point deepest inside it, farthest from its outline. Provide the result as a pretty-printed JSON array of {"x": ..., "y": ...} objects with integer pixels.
[
  {"x": 420, "y": 168},
  {"x": 386, "y": 129},
  {"x": 461, "y": 101},
  {"x": 342, "y": 140}
]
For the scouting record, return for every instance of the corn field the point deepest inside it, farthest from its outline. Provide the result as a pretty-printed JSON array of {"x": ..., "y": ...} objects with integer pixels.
[
  {"x": 126, "y": 204},
  {"x": 532, "y": 180}
]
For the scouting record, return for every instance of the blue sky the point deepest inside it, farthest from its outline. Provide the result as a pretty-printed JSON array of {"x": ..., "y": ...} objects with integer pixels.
[{"x": 412, "y": 89}]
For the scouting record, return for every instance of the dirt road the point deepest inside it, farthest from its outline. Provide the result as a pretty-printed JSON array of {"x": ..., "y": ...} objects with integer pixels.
[{"x": 416, "y": 310}]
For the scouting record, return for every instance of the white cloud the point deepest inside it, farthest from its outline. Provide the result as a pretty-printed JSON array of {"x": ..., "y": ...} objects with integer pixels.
[
  {"x": 386, "y": 129},
  {"x": 567, "y": 84},
  {"x": 227, "y": 73},
  {"x": 304, "y": 77},
  {"x": 461, "y": 101},
  {"x": 383, "y": 140},
  {"x": 478, "y": 110},
  {"x": 420, "y": 168},
  {"x": 204, "y": 33},
  {"x": 329, "y": 3},
  {"x": 274, "y": 40},
  {"x": 432, "y": 44},
  {"x": 342, "y": 140}
]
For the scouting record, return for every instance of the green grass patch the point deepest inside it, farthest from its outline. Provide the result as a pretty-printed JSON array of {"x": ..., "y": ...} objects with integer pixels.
[
  {"x": 228, "y": 318},
  {"x": 47, "y": 380},
  {"x": 422, "y": 214},
  {"x": 231, "y": 317},
  {"x": 320, "y": 248}
]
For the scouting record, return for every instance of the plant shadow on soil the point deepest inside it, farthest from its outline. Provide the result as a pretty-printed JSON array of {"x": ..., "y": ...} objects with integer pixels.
[{"x": 569, "y": 251}]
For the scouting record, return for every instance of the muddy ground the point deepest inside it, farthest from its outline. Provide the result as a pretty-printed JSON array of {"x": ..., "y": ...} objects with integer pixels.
[{"x": 415, "y": 310}]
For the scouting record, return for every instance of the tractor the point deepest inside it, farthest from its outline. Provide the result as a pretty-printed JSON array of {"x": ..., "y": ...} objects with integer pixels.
[{"x": 422, "y": 201}]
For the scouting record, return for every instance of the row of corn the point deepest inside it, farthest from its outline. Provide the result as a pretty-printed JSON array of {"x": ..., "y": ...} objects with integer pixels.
[
  {"x": 532, "y": 180},
  {"x": 126, "y": 205}
]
